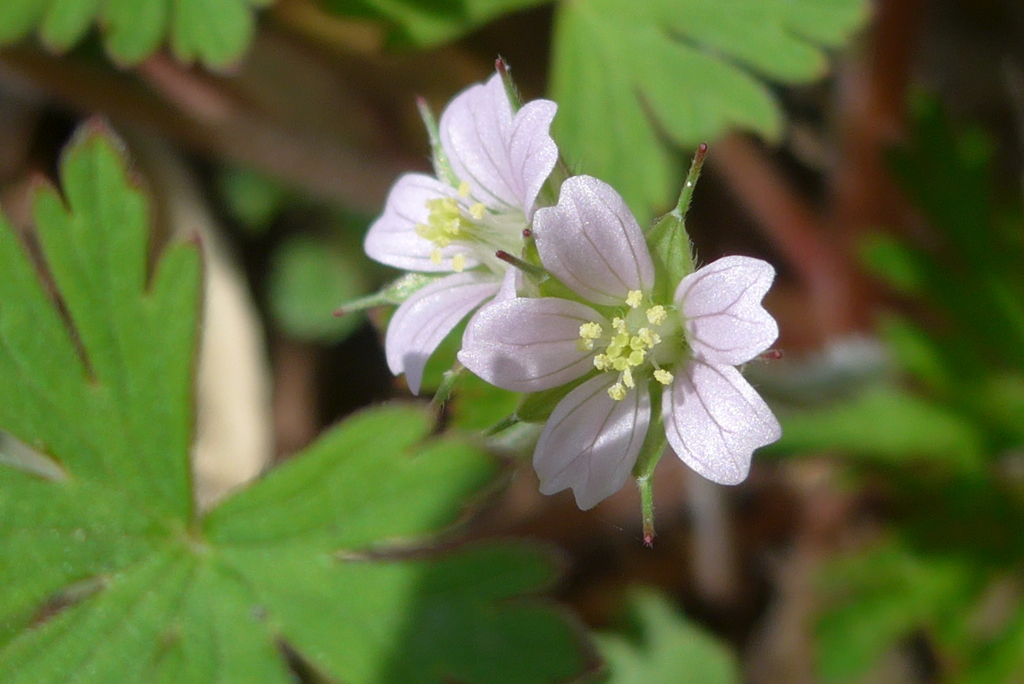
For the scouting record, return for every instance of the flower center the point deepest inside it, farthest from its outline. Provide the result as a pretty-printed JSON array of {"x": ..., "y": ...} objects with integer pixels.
[
  {"x": 630, "y": 347},
  {"x": 471, "y": 226}
]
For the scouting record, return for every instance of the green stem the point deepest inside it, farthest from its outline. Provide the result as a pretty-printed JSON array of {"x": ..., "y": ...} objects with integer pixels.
[
  {"x": 650, "y": 453},
  {"x": 448, "y": 382}
]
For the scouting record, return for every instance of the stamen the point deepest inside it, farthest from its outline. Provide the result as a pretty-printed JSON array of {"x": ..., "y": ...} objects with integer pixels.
[
  {"x": 663, "y": 376},
  {"x": 656, "y": 315},
  {"x": 459, "y": 263},
  {"x": 591, "y": 331},
  {"x": 617, "y": 392},
  {"x": 627, "y": 378},
  {"x": 478, "y": 211},
  {"x": 435, "y": 256},
  {"x": 635, "y": 298},
  {"x": 464, "y": 189}
]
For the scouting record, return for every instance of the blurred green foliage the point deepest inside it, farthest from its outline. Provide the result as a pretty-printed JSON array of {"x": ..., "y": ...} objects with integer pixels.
[
  {"x": 662, "y": 647},
  {"x": 945, "y": 447},
  {"x": 214, "y": 32}
]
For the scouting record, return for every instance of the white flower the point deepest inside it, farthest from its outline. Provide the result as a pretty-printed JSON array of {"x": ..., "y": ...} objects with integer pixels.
[
  {"x": 500, "y": 160},
  {"x": 713, "y": 418}
]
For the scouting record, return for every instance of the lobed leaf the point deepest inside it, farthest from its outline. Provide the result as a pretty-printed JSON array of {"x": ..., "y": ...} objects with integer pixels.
[
  {"x": 107, "y": 573},
  {"x": 214, "y": 32},
  {"x": 629, "y": 77}
]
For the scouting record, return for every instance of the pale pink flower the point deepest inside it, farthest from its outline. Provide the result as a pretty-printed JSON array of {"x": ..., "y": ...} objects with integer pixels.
[
  {"x": 500, "y": 160},
  {"x": 713, "y": 418}
]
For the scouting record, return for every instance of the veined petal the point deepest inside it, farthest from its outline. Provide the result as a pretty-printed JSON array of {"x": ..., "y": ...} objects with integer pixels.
[
  {"x": 721, "y": 307},
  {"x": 392, "y": 239},
  {"x": 591, "y": 442},
  {"x": 423, "y": 320},
  {"x": 505, "y": 158},
  {"x": 532, "y": 151},
  {"x": 714, "y": 420},
  {"x": 529, "y": 345},
  {"x": 591, "y": 242}
]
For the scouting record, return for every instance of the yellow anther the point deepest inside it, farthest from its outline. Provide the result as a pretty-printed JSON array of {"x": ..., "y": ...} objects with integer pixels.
[
  {"x": 635, "y": 298},
  {"x": 627, "y": 378},
  {"x": 443, "y": 223},
  {"x": 663, "y": 376},
  {"x": 649, "y": 338},
  {"x": 591, "y": 331},
  {"x": 478, "y": 211},
  {"x": 458, "y": 263},
  {"x": 619, "y": 325},
  {"x": 656, "y": 315},
  {"x": 435, "y": 256},
  {"x": 602, "y": 362},
  {"x": 463, "y": 189},
  {"x": 617, "y": 392}
]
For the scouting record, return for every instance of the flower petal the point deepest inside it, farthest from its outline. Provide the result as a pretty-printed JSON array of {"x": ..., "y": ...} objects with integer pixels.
[
  {"x": 591, "y": 442},
  {"x": 423, "y": 320},
  {"x": 392, "y": 239},
  {"x": 591, "y": 242},
  {"x": 505, "y": 158},
  {"x": 529, "y": 345},
  {"x": 721, "y": 306},
  {"x": 714, "y": 420}
]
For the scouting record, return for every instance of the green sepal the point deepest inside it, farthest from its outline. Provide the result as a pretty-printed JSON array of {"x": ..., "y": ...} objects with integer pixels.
[
  {"x": 449, "y": 380},
  {"x": 537, "y": 406},
  {"x": 391, "y": 294},
  {"x": 553, "y": 287},
  {"x": 511, "y": 89},
  {"x": 442, "y": 167},
  {"x": 668, "y": 240}
]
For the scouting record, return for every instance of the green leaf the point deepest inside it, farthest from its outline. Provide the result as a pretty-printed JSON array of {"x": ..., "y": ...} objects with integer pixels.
[
  {"x": 308, "y": 280},
  {"x": 536, "y": 407},
  {"x": 971, "y": 268},
  {"x": 478, "y": 405},
  {"x": 1002, "y": 660},
  {"x": 877, "y": 599},
  {"x": 214, "y": 32},
  {"x": 672, "y": 650},
  {"x": 107, "y": 572},
  {"x": 430, "y": 22},
  {"x": 252, "y": 199},
  {"x": 918, "y": 354},
  {"x": 885, "y": 425},
  {"x": 628, "y": 75},
  {"x": 897, "y": 264}
]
